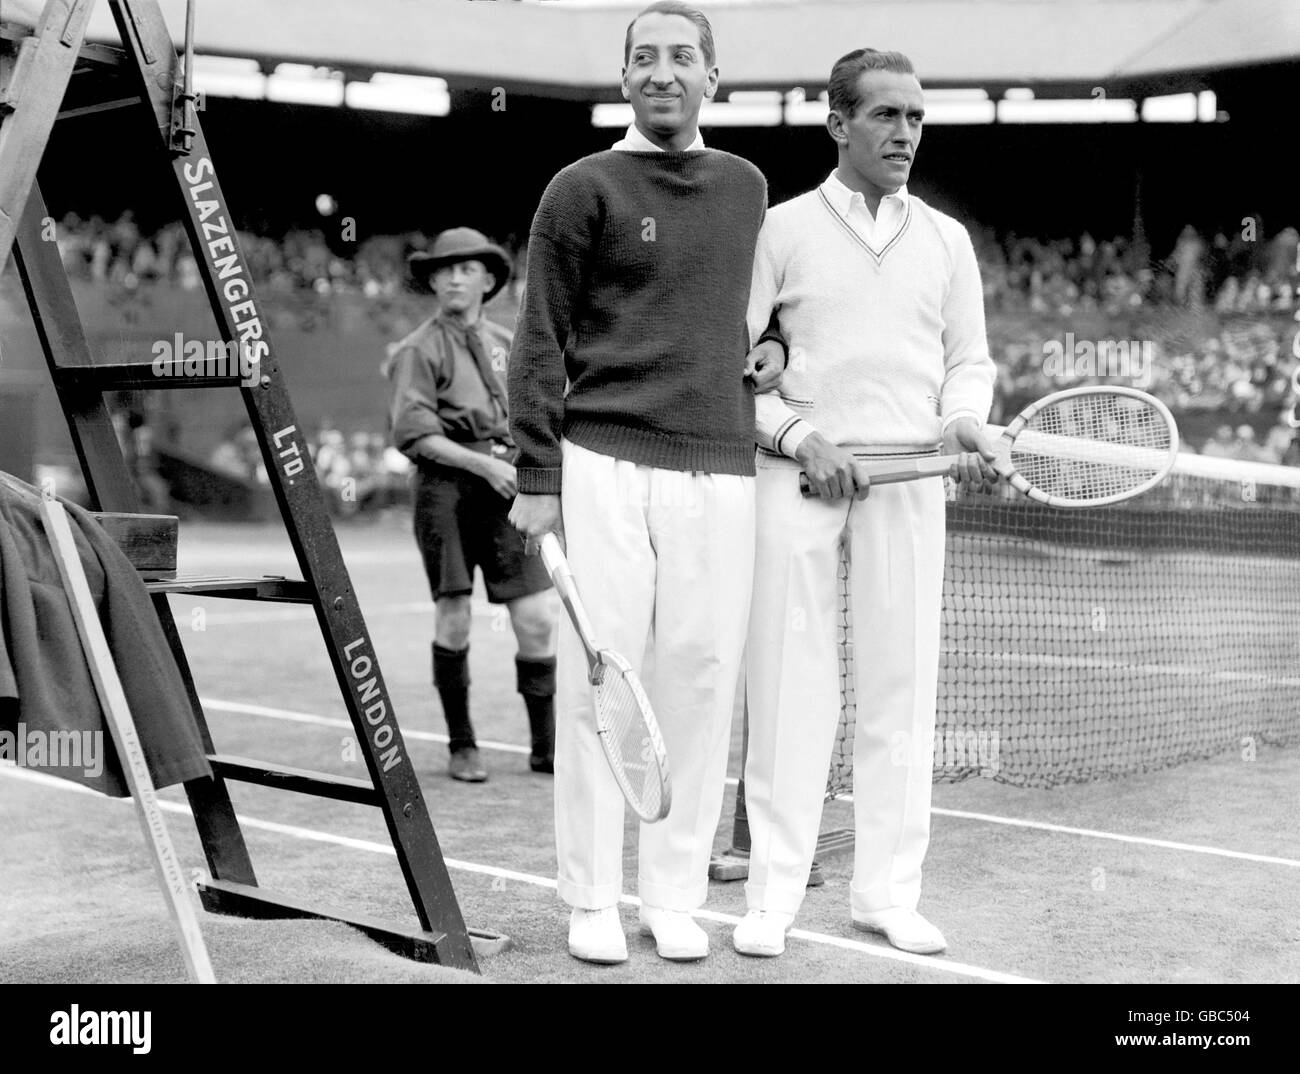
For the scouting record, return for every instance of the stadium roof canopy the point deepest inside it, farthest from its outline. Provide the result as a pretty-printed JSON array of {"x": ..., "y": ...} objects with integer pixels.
[{"x": 574, "y": 50}]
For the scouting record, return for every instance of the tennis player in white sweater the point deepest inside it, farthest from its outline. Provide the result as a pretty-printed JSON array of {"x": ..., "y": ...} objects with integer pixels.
[{"x": 879, "y": 299}]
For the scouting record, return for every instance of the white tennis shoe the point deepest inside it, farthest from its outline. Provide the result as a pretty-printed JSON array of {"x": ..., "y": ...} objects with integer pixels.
[
  {"x": 597, "y": 936},
  {"x": 762, "y": 933},
  {"x": 905, "y": 929},
  {"x": 676, "y": 934}
]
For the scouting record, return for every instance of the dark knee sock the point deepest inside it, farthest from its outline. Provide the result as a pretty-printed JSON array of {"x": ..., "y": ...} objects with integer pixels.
[
  {"x": 536, "y": 682},
  {"x": 451, "y": 677}
]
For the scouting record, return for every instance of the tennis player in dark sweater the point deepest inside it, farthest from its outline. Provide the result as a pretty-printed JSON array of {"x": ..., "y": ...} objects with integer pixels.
[{"x": 638, "y": 279}]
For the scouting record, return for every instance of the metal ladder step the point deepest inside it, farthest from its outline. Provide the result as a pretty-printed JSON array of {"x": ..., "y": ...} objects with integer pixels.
[
  {"x": 244, "y": 900},
  {"x": 135, "y": 376},
  {"x": 271, "y": 587},
  {"x": 301, "y": 780}
]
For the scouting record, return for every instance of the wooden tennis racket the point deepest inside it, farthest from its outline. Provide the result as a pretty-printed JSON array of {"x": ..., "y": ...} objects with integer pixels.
[
  {"x": 625, "y": 722},
  {"x": 1082, "y": 447}
]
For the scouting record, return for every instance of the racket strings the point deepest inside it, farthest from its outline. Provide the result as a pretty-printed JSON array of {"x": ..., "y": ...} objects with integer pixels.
[
  {"x": 1091, "y": 447},
  {"x": 628, "y": 741}
]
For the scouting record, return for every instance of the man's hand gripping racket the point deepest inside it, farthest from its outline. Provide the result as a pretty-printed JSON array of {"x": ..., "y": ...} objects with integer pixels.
[
  {"x": 625, "y": 722},
  {"x": 1083, "y": 447}
]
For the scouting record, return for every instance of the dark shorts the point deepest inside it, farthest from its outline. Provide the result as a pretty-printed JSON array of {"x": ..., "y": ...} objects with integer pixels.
[{"x": 460, "y": 524}]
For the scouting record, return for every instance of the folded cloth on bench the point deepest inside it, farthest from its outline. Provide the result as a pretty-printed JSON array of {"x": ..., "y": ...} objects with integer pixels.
[{"x": 50, "y": 715}]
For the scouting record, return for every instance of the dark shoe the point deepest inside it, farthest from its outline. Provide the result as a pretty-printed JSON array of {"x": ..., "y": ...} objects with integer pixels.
[
  {"x": 466, "y": 766},
  {"x": 544, "y": 765}
]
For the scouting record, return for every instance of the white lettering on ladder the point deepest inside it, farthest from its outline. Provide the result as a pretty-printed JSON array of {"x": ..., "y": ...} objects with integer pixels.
[
  {"x": 359, "y": 667},
  {"x": 293, "y": 452},
  {"x": 217, "y": 236}
]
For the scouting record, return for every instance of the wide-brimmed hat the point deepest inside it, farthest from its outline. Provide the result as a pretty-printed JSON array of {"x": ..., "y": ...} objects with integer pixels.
[{"x": 462, "y": 244}]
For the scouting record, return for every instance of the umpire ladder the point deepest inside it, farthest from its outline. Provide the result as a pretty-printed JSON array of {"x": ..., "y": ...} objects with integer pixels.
[{"x": 50, "y": 74}]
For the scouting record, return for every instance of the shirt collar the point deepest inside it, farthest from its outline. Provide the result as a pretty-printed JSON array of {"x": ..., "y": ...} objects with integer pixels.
[
  {"x": 841, "y": 197},
  {"x": 636, "y": 142}
]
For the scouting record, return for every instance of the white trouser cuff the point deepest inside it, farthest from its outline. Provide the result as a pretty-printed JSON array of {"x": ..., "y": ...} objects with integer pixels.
[
  {"x": 770, "y": 897},
  {"x": 884, "y": 897},
  {"x": 667, "y": 897},
  {"x": 589, "y": 896}
]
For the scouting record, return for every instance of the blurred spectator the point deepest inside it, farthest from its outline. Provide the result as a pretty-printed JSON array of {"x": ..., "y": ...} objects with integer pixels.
[
  {"x": 1282, "y": 273},
  {"x": 1188, "y": 260},
  {"x": 239, "y": 456},
  {"x": 1222, "y": 445},
  {"x": 1278, "y": 443},
  {"x": 1248, "y": 449},
  {"x": 333, "y": 467},
  {"x": 358, "y": 472}
]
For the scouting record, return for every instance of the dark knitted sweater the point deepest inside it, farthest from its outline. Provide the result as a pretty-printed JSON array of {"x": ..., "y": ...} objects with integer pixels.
[{"x": 638, "y": 281}]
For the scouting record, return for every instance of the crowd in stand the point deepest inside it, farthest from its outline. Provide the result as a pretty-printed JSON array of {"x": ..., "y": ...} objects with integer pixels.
[
  {"x": 1216, "y": 315},
  {"x": 1241, "y": 443},
  {"x": 1060, "y": 276},
  {"x": 1209, "y": 365},
  {"x": 119, "y": 253},
  {"x": 359, "y": 472},
  {"x": 1116, "y": 276}
]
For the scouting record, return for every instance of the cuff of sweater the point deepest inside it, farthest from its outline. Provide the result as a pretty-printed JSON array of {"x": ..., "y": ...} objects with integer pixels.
[
  {"x": 773, "y": 336},
  {"x": 787, "y": 439},
  {"x": 538, "y": 482},
  {"x": 957, "y": 415}
]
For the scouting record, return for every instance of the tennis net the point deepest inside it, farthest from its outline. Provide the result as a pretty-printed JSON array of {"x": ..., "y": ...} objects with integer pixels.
[{"x": 1089, "y": 644}]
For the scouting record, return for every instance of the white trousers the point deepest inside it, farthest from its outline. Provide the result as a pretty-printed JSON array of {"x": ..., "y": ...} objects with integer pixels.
[
  {"x": 664, "y": 562},
  {"x": 895, "y": 539}
]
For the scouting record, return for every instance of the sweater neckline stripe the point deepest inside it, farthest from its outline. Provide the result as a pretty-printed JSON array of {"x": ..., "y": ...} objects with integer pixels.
[{"x": 877, "y": 257}]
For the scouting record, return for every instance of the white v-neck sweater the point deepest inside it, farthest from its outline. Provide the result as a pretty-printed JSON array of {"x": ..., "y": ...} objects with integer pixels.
[{"x": 887, "y": 347}]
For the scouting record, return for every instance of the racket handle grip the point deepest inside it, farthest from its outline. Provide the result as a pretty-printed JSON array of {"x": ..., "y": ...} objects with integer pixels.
[
  {"x": 892, "y": 471},
  {"x": 553, "y": 559},
  {"x": 557, "y": 565}
]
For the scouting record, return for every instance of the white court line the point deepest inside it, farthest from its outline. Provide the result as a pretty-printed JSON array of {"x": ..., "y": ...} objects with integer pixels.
[
  {"x": 289, "y": 614},
  {"x": 483, "y": 609},
  {"x": 1015, "y": 822},
  {"x": 1096, "y": 664},
  {"x": 346, "y": 725},
  {"x": 300, "y": 612},
  {"x": 1191, "y": 848},
  {"x": 889, "y": 954}
]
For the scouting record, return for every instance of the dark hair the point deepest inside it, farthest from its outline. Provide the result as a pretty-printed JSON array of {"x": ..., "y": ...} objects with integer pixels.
[
  {"x": 843, "y": 85},
  {"x": 676, "y": 7}
]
